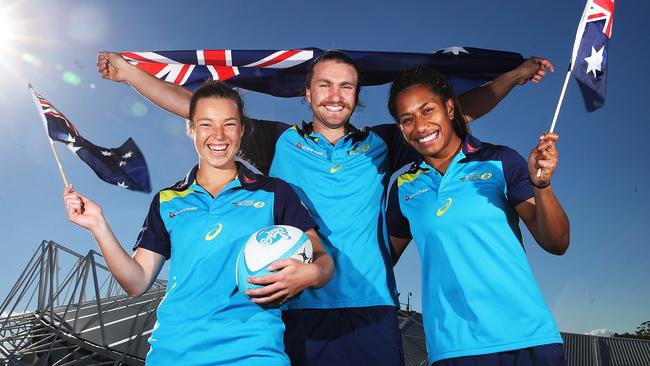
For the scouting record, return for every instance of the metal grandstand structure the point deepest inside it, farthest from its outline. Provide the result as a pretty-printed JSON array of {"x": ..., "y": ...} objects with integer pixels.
[
  {"x": 579, "y": 349},
  {"x": 66, "y": 309}
]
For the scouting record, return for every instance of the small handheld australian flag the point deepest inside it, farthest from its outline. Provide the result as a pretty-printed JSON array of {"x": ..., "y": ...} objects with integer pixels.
[{"x": 123, "y": 166}]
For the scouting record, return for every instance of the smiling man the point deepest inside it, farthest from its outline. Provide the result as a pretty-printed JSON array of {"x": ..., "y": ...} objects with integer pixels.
[{"x": 340, "y": 173}]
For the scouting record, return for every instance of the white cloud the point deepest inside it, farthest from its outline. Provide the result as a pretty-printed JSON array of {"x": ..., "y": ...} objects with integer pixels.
[{"x": 603, "y": 332}]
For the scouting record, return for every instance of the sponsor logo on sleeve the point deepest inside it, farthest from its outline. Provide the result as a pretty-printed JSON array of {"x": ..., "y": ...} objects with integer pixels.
[
  {"x": 415, "y": 194},
  {"x": 307, "y": 148},
  {"x": 186, "y": 209}
]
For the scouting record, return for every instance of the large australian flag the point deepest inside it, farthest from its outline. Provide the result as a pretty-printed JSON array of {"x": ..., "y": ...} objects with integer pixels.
[
  {"x": 123, "y": 166},
  {"x": 589, "y": 59},
  {"x": 282, "y": 73}
]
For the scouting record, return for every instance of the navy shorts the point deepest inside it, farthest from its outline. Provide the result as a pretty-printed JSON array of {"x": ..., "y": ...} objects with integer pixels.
[
  {"x": 546, "y": 355},
  {"x": 344, "y": 336}
]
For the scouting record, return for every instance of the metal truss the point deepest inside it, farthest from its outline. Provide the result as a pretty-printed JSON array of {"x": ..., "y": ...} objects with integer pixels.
[{"x": 67, "y": 309}]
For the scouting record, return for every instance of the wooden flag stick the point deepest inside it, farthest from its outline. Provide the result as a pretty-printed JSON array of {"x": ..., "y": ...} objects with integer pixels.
[
  {"x": 44, "y": 120},
  {"x": 557, "y": 108}
]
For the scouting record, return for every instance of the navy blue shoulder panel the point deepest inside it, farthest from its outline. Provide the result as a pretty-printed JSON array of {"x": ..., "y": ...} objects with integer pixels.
[
  {"x": 288, "y": 209},
  {"x": 153, "y": 235},
  {"x": 399, "y": 152},
  {"x": 258, "y": 144},
  {"x": 515, "y": 170},
  {"x": 398, "y": 225}
]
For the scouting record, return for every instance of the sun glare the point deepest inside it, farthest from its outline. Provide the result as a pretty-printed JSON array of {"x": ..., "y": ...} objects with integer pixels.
[{"x": 6, "y": 30}]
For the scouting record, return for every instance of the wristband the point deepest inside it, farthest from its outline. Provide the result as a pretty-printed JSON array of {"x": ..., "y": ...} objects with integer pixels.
[{"x": 539, "y": 186}]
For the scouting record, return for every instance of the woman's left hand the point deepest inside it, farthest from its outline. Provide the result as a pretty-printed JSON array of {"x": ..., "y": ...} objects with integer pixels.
[
  {"x": 543, "y": 159},
  {"x": 291, "y": 278}
]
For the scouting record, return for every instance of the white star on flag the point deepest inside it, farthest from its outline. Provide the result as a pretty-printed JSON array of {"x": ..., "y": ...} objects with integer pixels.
[
  {"x": 122, "y": 185},
  {"x": 107, "y": 153},
  {"x": 71, "y": 138},
  {"x": 122, "y": 163},
  {"x": 454, "y": 50},
  {"x": 127, "y": 155},
  {"x": 595, "y": 61},
  {"x": 72, "y": 147}
]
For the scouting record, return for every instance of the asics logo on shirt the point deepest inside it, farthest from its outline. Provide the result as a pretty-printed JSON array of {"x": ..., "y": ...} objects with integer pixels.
[
  {"x": 213, "y": 232},
  {"x": 335, "y": 168},
  {"x": 445, "y": 206}
]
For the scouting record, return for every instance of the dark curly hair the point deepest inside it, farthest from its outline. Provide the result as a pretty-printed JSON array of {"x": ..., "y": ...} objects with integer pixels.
[{"x": 437, "y": 83}]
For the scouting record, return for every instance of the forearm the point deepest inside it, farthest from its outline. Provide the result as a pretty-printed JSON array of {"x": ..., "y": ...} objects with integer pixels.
[
  {"x": 171, "y": 97},
  {"x": 477, "y": 102},
  {"x": 126, "y": 270},
  {"x": 552, "y": 224},
  {"x": 325, "y": 269}
]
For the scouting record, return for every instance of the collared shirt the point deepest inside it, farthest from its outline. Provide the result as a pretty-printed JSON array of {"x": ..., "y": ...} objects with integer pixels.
[
  {"x": 203, "y": 318},
  {"x": 479, "y": 293},
  {"x": 344, "y": 186}
]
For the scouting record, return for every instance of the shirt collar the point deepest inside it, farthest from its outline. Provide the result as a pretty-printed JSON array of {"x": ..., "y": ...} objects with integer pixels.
[
  {"x": 470, "y": 145},
  {"x": 353, "y": 133},
  {"x": 245, "y": 176}
]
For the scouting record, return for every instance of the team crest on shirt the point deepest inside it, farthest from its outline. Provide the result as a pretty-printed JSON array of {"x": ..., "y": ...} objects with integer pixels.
[
  {"x": 249, "y": 203},
  {"x": 359, "y": 150},
  {"x": 476, "y": 176}
]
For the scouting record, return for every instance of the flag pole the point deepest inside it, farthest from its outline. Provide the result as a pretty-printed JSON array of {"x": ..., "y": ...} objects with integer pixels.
[
  {"x": 559, "y": 103},
  {"x": 557, "y": 108},
  {"x": 44, "y": 120}
]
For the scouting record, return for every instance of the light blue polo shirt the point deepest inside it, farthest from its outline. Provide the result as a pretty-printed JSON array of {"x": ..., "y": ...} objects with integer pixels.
[
  {"x": 203, "y": 319},
  {"x": 479, "y": 295},
  {"x": 344, "y": 186}
]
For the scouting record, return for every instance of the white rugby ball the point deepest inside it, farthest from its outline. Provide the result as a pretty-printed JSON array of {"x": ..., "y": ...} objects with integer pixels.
[{"x": 267, "y": 245}]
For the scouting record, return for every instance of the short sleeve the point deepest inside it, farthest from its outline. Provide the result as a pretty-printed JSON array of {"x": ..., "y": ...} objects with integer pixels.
[
  {"x": 288, "y": 209},
  {"x": 515, "y": 171},
  {"x": 398, "y": 225},
  {"x": 258, "y": 144},
  {"x": 153, "y": 235},
  {"x": 400, "y": 153}
]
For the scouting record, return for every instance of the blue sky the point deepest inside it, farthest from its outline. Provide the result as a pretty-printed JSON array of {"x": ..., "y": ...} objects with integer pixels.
[{"x": 602, "y": 282}]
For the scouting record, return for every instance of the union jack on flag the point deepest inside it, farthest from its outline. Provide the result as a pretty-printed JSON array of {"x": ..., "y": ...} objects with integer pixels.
[
  {"x": 123, "y": 166},
  {"x": 282, "y": 72},
  {"x": 589, "y": 59}
]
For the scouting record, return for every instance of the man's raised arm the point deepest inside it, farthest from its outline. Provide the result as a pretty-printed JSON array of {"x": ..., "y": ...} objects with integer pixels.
[
  {"x": 479, "y": 101},
  {"x": 171, "y": 97}
]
